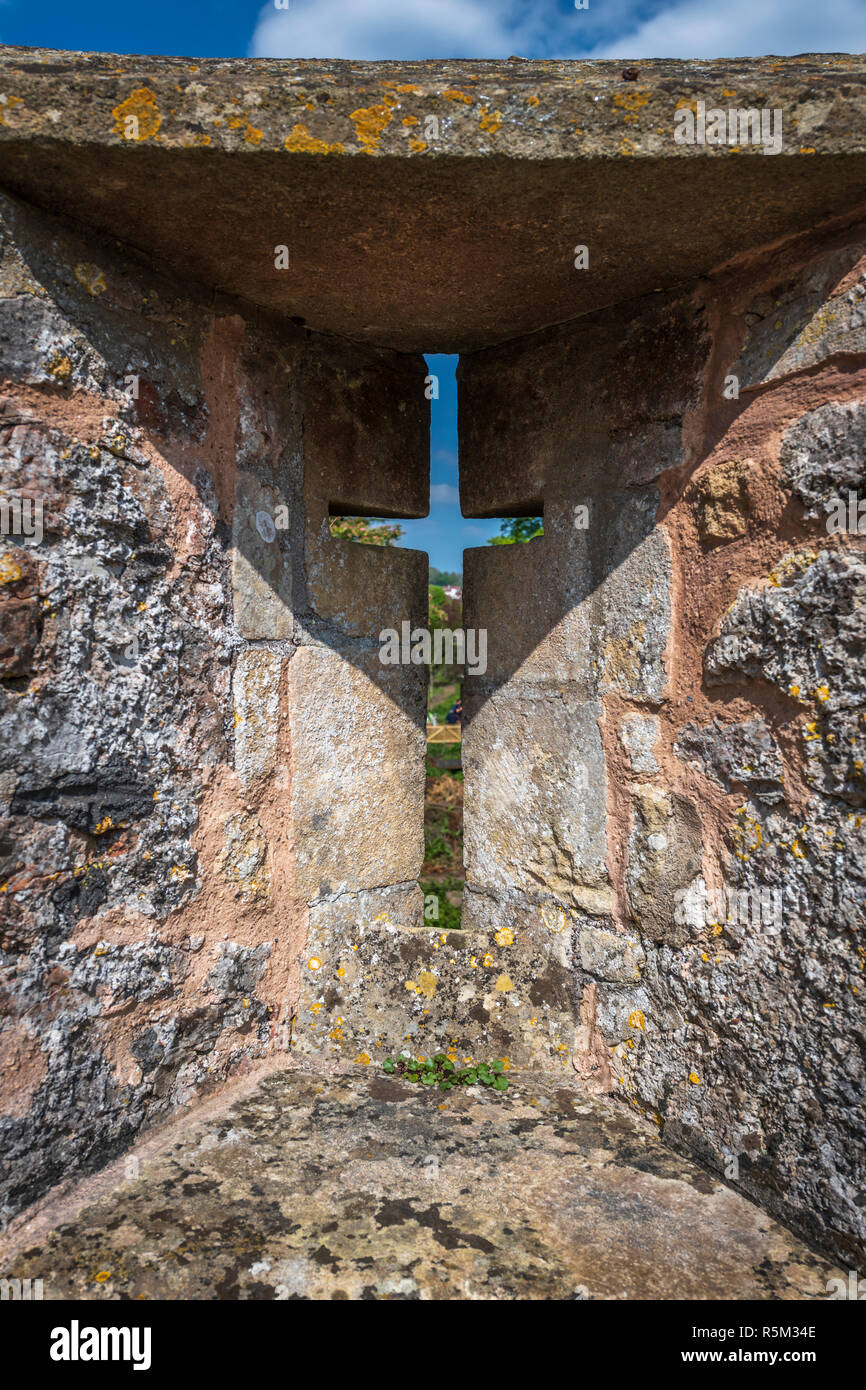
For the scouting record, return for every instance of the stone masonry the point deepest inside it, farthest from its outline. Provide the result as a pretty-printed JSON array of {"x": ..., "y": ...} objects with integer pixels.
[{"x": 217, "y": 280}]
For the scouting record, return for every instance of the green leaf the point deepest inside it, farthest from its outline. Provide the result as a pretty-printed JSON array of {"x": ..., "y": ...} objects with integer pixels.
[
  {"x": 500, "y": 1084},
  {"x": 388, "y": 1065}
]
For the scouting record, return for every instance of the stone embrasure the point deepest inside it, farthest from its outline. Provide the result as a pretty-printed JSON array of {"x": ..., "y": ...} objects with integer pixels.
[
  {"x": 364, "y": 1186},
  {"x": 211, "y": 788}
]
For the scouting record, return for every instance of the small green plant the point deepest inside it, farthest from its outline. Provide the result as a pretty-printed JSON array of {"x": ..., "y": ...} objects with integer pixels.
[
  {"x": 449, "y": 913},
  {"x": 442, "y": 1072}
]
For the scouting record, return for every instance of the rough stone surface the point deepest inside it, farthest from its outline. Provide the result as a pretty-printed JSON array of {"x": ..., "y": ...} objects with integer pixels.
[
  {"x": 664, "y": 856},
  {"x": 638, "y": 735},
  {"x": 737, "y": 755},
  {"x": 534, "y": 800},
  {"x": 362, "y": 1187},
  {"x": 358, "y": 820},
  {"x": 795, "y": 326},
  {"x": 823, "y": 456},
  {"x": 723, "y": 507}
]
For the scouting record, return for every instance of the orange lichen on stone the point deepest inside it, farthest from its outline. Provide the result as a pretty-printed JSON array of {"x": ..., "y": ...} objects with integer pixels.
[
  {"x": 453, "y": 94},
  {"x": 631, "y": 103},
  {"x": 137, "y": 118},
  {"x": 6, "y": 105},
  {"x": 490, "y": 121},
  {"x": 370, "y": 121},
  {"x": 10, "y": 573},
  {"x": 300, "y": 141}
]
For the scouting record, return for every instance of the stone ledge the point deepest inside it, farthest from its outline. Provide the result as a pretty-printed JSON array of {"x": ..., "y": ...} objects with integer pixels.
[
  {"x": 359, "y": 1186},
  {"x": 450, "y": 242}
]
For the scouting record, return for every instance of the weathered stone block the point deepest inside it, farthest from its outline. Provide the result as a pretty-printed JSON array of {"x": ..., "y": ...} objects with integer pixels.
[
  {"x": 261, "y": 563},
  {"x": 819, "y": 313},
  {"x": 803, "y": 631},
  {"x": 744, "y": 754},
  {"x": 610, "y": 955},
  {"x": 357, "y": 771},
  {"x": 723, "y": 501},
  {"x": 631, "y": 603},
  {"x": 664, "y": 856},
  {"x": 639, "y": 734},
  {"x": 535, "y": 798},
  {"x": 256, "y": 692},
  {"x": 823, "y": 456},
  {"x": 371, "y": 988}
]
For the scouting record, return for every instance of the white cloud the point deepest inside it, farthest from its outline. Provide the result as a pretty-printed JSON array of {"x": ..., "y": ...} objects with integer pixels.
[
  {"x": 416, "y": 29},
  {"x": 410, "y": 29},
  {"x": 445, "y": 492},
  {"x": 741, "y": 28}
]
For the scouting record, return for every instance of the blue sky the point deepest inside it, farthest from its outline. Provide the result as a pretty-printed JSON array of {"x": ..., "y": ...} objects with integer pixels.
[
  {"x": 441, "y": 28},
  {"x": 370, "y": 29}
]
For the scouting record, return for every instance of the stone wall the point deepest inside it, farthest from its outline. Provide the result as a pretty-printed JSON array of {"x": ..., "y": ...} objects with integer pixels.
[
  {"x": 681, "y": 712},
  {"x": 175, "y": 801}
]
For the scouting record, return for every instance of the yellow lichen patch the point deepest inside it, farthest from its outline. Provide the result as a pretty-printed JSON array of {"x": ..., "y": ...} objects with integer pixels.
[
  {"x": 532, "y": 101},
  {"x": 694, "y": 1078},
  {"x": 410, "y": 88},
  {"x": 364, "y": 1058},
  {"x": 137, "y": 118},
  {"x": 454, "y": 94},
  {"x": 105, "y": 824},
  {"x": 314, "y": 963},
  {"x": 490, "y": 121},
  {"x": 637, "y": 1020},
  {"x": 6, "y": 105},
  {"x": 791, "y": 566},
  {"x": 316, "y": 1008},
  {"x": 252, "y": 135},
  {"x": 300, "y": 141},
  {"x": 504, "y": 937},
  {"x": 748, "y": 835},
  {"x": 370, "y": 121},
  {"x": 417, "y": 146},
  {"x": 426, "y": 983},
  {"x": 9, "y": 571},
  {"x": 59, "y": 366},
  {"x": 410, "y": 120},
  {"x": 504, "y": 984},
  {"x": 630, "y": 103},
  {"x": 91, "y": 277},
  {"x": 487, "y": 961}
]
